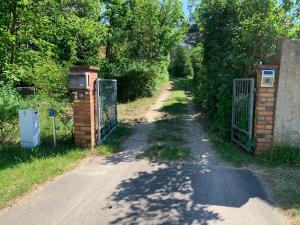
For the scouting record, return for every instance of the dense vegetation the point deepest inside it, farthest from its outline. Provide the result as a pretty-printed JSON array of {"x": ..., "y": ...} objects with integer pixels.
[
  {"x": 181, "y": 65},
  {"x": 141, "y": 34},
  {"x": 129, "y": 39},
  {"x": 236, "y": 36}
]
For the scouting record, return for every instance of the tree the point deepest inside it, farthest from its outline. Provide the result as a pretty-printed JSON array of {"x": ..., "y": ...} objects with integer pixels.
[
  {"x": 56, "y": 33},
  {"x": 237, "y": 36},
  {"x": 181, "y": 65},
  {"x": 141, "y": 35}
]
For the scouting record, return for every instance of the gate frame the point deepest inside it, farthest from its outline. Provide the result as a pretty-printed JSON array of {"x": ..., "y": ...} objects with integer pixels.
[
  {"x": 251, "y": 106},
  {"x": 98, "y": 99}
]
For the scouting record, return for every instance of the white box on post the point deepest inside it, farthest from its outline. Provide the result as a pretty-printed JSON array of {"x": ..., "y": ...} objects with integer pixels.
[{"x": 29, "y": 128}]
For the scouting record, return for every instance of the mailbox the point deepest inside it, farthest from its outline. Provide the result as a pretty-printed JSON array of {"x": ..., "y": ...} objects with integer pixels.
[
  {"x": 79, "y": 81},
  {"x": 268, "y": 77}
]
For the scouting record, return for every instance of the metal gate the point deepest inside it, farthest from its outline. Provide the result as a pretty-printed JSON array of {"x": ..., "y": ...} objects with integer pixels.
[
  {"x": 242, "y": 112},
  {"x": 106, "y": 108}
]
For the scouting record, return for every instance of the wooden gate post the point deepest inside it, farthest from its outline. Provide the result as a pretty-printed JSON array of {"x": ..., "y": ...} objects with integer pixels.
[
  {"x": 265, "y": 107},
  {"x": 83, "y": 85}
]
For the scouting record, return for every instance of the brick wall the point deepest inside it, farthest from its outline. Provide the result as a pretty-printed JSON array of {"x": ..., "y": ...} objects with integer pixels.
[
  {"x": 84, "y": 110},
  {"x": 264, "y": 111}
]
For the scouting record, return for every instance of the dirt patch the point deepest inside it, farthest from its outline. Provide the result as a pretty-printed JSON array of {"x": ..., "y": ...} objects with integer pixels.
[
  {"x": 198, "y": 141},
  {"x": 137, "y": 142},
  {"x": 134, "y": 112}
]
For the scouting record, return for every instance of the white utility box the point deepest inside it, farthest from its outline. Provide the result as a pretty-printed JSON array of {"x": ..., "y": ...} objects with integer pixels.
[{"x": 29, "y": 128}]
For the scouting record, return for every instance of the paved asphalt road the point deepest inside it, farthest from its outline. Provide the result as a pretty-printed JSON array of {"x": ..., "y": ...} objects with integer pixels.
[{"x": 126, "y": 190}]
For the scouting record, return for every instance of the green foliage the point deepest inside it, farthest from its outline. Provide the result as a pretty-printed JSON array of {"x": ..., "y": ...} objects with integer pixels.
[
  {"x": 181, "y": 65},
  {"x": 10, "y": 102},
  {"x": 141, "y": 34},
  {"x": 142, "y": 79},
  {"x": 237, "y": 35},
  {"x": 40, "y": 39},
  {"x": 113, "y": 143}
]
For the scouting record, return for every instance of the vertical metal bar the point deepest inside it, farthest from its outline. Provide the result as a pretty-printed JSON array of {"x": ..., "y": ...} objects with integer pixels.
[
  {"x": 116, "y": 101},
  {"x": 98, "y": 111},
  {"x": 251, "y": 105},
  {"x": 247, "y": 102},
  {"x": 242, "y": 99},
  {"x": 239, "y": 107},
  {"x": 244, "y": 91},
  {"x": 233, "y": 108}
]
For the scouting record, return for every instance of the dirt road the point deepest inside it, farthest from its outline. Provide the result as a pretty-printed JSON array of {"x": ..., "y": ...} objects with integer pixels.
[{"x": 125, "y": 190}]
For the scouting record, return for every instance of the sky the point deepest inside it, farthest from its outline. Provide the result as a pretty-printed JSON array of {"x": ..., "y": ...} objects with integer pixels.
[{"x": 185, "y": 7}]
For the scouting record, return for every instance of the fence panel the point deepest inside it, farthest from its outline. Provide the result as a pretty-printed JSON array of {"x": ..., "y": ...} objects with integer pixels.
[
  {"x": 242, "y": 112},
  {"x": 106, "y": 108}
]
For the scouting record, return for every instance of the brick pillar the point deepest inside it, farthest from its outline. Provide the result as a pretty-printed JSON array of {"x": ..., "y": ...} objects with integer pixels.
[
  {"x": 264, "y": 111},
  {"x": 84, "y": 108}
]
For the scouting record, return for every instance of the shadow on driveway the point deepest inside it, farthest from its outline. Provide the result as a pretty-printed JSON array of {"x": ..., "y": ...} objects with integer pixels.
[{"x": 181, "y": 194}]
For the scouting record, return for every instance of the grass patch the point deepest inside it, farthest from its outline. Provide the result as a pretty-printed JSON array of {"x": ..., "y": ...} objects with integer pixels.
[
  {"x": 134, "y": 111},
  {"x": 167, "y": 143},
  {"x": 283, "y": 155},
  {"x": 113, "y": 143},
  {"x": 167, "y": 152},
  {"x": 279, "y": 156},
  {"x": 21, "y": 170},
  {"x": 231, "y": 153}
]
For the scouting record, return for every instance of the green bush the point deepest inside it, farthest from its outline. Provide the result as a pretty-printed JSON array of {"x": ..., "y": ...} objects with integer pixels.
[
  {"x": 236, "y": 37},
  {"x": 10, "y": 102},
  {"x": 141, "y": 79},
  {"x": 181, "y": 65}
]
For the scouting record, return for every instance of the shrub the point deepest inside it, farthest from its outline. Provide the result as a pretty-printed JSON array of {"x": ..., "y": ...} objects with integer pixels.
[
  {"x": 236, "y": 37},
  {"x": 181, "y": 65},
  {"x": 10, "y": 102},
  {"x": 50, "y": 79},
  {"x": 141, "y": 79}
]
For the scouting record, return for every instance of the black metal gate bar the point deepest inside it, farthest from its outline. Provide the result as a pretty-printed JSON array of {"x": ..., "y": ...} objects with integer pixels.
[
  {"x": 242, "y": 112},
  {"x": 106, "y": 108}
]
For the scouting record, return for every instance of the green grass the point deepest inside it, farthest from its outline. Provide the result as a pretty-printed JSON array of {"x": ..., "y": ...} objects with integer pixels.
[
  {"x": 113, "y": 143},
  {"x": 21, "y": 170},
  {"x": 167, "y": 152},
  {"x": 231, "y": 153},
  {"x": 281, "y": 155},
  {"x": 166, "y": 143},
  {"x": 135, "y": 111}
]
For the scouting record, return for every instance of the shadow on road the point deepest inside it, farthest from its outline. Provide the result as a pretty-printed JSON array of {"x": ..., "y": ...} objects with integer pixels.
[
  {"x": 182, "y": 193},
  {"x": 179, "y": 192}
]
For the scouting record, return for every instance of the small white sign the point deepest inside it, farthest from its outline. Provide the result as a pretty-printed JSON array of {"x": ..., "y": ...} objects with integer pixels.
[{"x": 268, "y": 77}]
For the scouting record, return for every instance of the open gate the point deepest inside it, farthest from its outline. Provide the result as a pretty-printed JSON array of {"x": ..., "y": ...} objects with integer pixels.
[
  {"x": 242, "y": 112},
  {"x": 106, "y": 108}
]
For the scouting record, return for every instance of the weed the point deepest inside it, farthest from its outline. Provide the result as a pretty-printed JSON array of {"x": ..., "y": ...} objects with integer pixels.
[
  {"x": 167, "y": 141},
  {"x": 167, "y": 152},
  {"x": 113, "y": 143}
]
